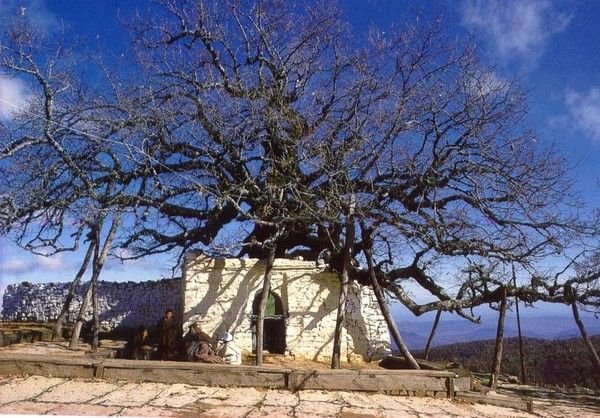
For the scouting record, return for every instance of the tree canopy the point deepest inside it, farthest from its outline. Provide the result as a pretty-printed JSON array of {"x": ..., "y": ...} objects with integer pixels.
[{"x": 236, "y": 127}]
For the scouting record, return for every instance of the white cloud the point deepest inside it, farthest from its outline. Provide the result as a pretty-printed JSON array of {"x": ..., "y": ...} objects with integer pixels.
[
  {"x": 485, "y": 83},
  {"x": 584, "y": 108},
  {"x": 515, "y": 27},
  {"x": 55, "y": 262},
  {"x": 13, "y": 96},
  {"x": 17, "y": 266}
]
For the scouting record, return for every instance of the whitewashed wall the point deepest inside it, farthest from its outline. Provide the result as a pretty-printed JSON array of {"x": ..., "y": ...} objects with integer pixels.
[
  {"x": 219, "y": 294},
  {"x": 128, "y": 304}
]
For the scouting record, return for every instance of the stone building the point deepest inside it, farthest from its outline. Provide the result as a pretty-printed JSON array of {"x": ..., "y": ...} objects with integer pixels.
[{"x": 301, "y": 311}]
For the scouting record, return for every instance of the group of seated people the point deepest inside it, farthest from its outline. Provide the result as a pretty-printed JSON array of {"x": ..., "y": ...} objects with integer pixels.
[{"x": 195, "y": 346}]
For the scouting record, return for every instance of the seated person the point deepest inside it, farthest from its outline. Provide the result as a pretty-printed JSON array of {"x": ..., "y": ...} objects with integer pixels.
[
  {"x": 230, "y": 353},
  {"x": 198, "y": 346},
  {"x": 141, "y": 349}
]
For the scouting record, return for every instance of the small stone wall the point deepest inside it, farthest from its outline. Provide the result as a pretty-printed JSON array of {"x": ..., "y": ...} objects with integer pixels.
[
  {"x": 219, "y": 294},
  {"x": 127, "y": 304}
]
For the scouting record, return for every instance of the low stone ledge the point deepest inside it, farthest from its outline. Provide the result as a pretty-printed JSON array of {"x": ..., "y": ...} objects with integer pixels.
[{"x": 422, "y": 382}]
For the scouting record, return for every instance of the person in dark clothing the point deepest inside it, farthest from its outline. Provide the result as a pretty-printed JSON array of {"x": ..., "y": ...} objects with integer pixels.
[
  {"x": 198, "y": 346},
  {"x": 141, "y": 347},
  {"x": 167, "y": 332}
]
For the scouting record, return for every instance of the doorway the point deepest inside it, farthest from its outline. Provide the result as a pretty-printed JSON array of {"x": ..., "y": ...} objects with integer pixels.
[{"x": 274, "y": 329}]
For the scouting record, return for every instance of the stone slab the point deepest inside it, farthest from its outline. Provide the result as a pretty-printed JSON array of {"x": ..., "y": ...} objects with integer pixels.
[
  {"x": 150, "y": 411},
  {"x": 270, "y": 411},
  {"x": 77, "y": 392},
  {"x": 26, "y": 408},
  {"x": 502, "y": 401},
  {"x": 281, "y": 398},
  {"x": 83, "y": 410},
  {"x": 131, "y": 395},
  {"x": 317, "y": 409},
  {"x": 180, "y": 395},
  {"x": 23, "y": 389}
]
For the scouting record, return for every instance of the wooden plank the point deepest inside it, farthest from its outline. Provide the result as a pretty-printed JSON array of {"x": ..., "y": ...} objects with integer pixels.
[
  {"x": 19, "y": 367},
  {"x": 451, "y": 388},
  {"x": 207, "y": 376},
  {"x": 145, "y": 364},
  {"x": 506, "y": 402},
  {"x": 54, "y": 359},
  {"x": 366, "y": 381},
  {"x": 383, "y": 372}
]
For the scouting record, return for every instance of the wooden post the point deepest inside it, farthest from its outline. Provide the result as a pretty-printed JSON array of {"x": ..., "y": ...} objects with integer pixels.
[
  {"x": 264, "y": 295},
  {"x": 499, "y": 342},
  {"x": 433, "y": 328}
]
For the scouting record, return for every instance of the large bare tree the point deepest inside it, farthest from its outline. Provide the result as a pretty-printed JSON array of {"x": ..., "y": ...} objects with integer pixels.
[{"x": 269, "y": 129}]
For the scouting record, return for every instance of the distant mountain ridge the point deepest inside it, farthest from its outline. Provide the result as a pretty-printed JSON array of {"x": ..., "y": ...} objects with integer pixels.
[
  {"x": 452, "y": 330},
  {"x": 565, "y": 363}
]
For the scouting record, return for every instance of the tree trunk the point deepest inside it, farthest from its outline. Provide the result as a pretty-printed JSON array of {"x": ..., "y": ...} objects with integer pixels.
[
  {"x": 95, "y": 317},
  {"x": 385, "y": 310},
  {"x": 80, "y": 317},
  {"x": 57, "y": 332},
  {"x": 499, "y": 342},
  {"x": 431, "y": 335},
  {"x": 521, "y": 350},
  {"x": 264, "y": 296},
  {"x": 586, "y": 339},
  {"x": 99, "y": 259},
  {"x": 345, "y": 280}
]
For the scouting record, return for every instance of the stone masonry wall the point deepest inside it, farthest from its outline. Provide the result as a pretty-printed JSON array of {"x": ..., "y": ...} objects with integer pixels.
[
  {"x": 219, "y": 294},
  {"x": 128, "y": 304}
]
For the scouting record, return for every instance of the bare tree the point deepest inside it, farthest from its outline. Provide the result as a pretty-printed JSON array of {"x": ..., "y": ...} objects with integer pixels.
[
  {"x": 497, "y": 361},
  {"x": 432, "y": 334},
  {"x": 521, "y": 349},
  {"x": 271, "y": 121},
  {"x": 58, "y": 175},
  {"x": 57, "y": 332}
]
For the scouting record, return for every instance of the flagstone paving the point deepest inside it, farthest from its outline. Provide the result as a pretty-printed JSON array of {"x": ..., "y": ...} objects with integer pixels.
[{"x": 53, "y": 396}]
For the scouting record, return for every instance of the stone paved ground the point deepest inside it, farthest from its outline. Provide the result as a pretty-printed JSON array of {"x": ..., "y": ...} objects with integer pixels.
[{"x": 43, "y": 395}]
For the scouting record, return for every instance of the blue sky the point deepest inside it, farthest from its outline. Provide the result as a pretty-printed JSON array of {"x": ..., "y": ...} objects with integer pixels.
[{"x": 552, "y": 46}]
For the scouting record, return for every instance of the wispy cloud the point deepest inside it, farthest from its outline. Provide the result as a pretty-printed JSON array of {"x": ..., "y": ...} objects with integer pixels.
[
  {"x": 13, "y": 96},
  {"x": 16, "y": 266},
  {"x": 515, "y": 28},
  {"x": 20, "y": 266},
  {"x": 584, "y": 109},
  {"x": 55, "y": 262}
]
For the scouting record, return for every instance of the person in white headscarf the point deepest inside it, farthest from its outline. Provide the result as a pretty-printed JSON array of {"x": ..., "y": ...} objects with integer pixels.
[{"x": 229, "y": 352}]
